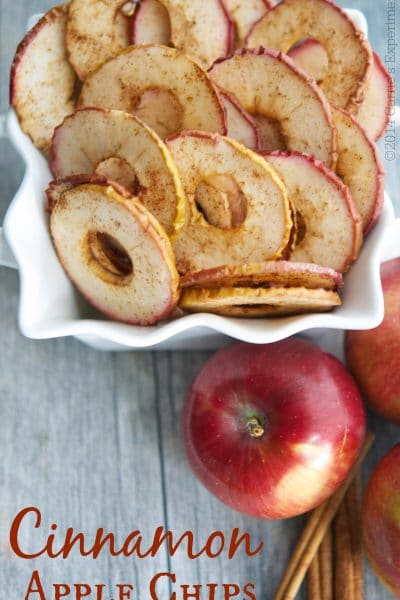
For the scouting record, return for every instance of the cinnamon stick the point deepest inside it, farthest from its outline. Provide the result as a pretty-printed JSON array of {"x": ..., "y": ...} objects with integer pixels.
[
  {"x": 325, "y": 558},
  {"x": 320, "y": 573},
  {"x": 347, "y": 568},
  {"x": 302, "y": 544},
  {"x": 344, "y": 574},
  {"x": 353, "y": 505},
  {"x": 314, "y": 580},
  {"x": 315, "y": 532}
]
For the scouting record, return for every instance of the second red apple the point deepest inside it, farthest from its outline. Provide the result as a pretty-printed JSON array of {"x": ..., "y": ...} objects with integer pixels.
[{"x": 374, "y": 355}]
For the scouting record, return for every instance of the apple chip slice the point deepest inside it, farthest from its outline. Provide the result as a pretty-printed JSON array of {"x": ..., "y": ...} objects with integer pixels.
[
  {"x": 347, "y": 49},
  {"x": 330, "y": 228},
  {"x": 258, "y": 302},
  {"x": 122, "y": 148},
  {"x": 203, "y": 30},
  {"x": 244, "y": 14},
  {"x": 375, "y": 111},
  {"x": 272, "y": 88},
  {"x": 359, "y": 167},
  {"x": 260, "y": 221},
  {"x": 151, "y": 24},
  {"x": 241, "y": 125},
  {"x": 278, "y": 273},
  {"x": 160, "y": 85},
  {"x": 267, "y": 311},
  {"x": 94, "y": 34},
  {"x": 109, "y": 254},
  {"x": 60, "y": 185},
  {"x": 116, "y": 254},
  {"x": 42, "y": 81}
]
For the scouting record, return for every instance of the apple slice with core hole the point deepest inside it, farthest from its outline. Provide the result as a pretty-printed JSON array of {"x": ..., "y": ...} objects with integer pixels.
[
  {"x": 160, "y": 85},
  {"x": 330, "y": 229},
  {"x": 116, "y": 254},
  {"x": 110, "y": 254},
  {"x": 274, "y": 90},
  {"x": 359, "y": 167},
  {"x": 244, "y": 14},
  {"x": 375, "y": 110},
  {"x": 151, "y": 24},
  {"x": 122, "y": 148},
  {"x": 202, "y": 30},
  {"x": 258, "y": 302},
  {"x": 259, "y": 225},
  {"x": 348, "y": 51},
  {"x": 42, "y": 81},
  {"x": 241, "y": 125},
  {"x": 279, "y": 273},
  {"x": 95, "y": 33}
]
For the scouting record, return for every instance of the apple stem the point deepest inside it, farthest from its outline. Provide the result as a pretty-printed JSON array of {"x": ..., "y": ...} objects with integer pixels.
[{"x": 255, "y": 428}]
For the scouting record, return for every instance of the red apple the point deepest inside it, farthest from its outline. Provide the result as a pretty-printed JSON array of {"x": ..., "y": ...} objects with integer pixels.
[
  {"x": 273, "y": 430},
  {"x": 374, "y": 355},
  {"x": 381, "y": 520}
]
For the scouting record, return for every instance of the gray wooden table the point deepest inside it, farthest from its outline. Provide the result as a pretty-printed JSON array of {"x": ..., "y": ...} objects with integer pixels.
[{"x": 92, "y": 439}]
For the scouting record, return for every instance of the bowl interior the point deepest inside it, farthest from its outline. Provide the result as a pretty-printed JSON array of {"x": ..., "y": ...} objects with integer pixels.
[{"x": 50, "y": 307}]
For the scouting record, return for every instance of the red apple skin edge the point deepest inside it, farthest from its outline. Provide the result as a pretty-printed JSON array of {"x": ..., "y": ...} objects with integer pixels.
[
  {"x": 273, "y": 430},
  {"x": 381, "y": 520},
  {"x": 374, "y": 355}
]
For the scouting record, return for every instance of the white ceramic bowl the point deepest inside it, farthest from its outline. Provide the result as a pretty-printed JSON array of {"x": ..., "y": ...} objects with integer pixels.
[{"x": 50, "y": 307}]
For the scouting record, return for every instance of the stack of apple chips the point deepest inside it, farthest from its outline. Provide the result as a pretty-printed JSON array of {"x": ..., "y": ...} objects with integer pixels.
[{"x": 206, "y": 162}]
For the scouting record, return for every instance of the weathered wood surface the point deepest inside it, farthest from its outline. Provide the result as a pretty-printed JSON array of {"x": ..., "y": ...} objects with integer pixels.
[{"x": 93, "y": 438}]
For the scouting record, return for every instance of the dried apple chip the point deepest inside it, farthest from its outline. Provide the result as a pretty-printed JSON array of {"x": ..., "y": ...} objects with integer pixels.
[
  {"x": 375, "y": 110},
  {"x": 360, "y": 168},
  {"x": 122, "y": 148},
  {"x": 116, "y": 254},
  {"x": 348, "y": 51},
  {"x": 95, "y": 33},
  {"x": 160, "y": 85},
  {"x": 42, "y": 81},
  {"x": 244, "y": 213},
  {"x": 278, "y": 273},
  {"x": 258, "y": 302},
  {"x": 203, "y": 30},
  {"x": 276, "y": 93},
  {"x": 329, "y": 225}
]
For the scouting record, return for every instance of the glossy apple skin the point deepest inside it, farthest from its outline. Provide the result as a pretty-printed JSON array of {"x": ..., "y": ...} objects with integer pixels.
[
  {"x": 381, "y": 520},
  {"x": 374, "y": 356},
  {"x": 313, "y": 420}
]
